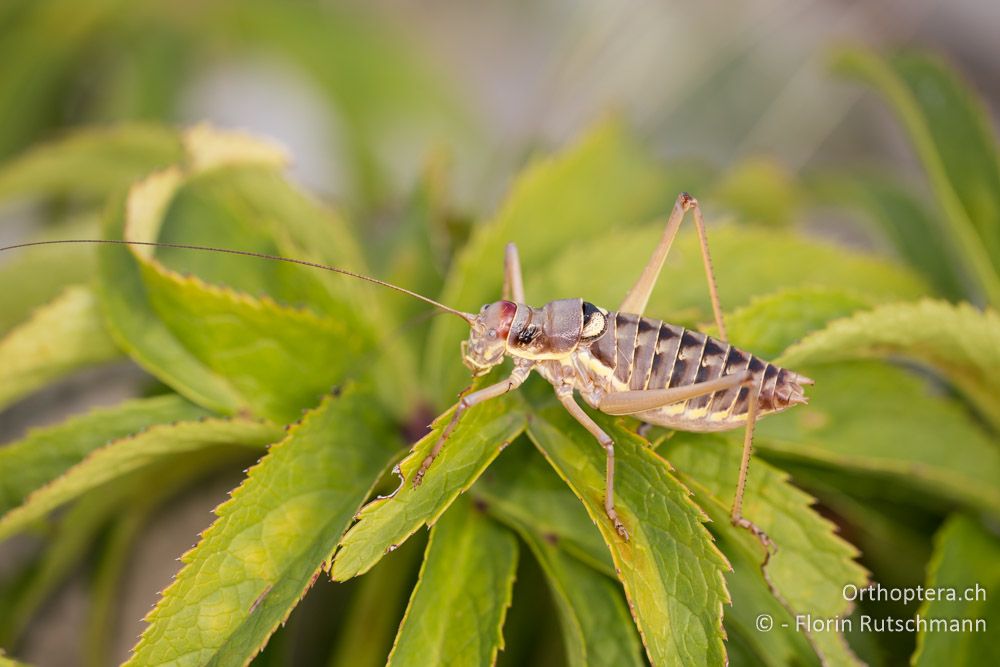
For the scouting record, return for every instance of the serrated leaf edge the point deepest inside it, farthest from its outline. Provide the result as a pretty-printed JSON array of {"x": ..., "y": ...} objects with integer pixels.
[{"x": 721, "y": 561}]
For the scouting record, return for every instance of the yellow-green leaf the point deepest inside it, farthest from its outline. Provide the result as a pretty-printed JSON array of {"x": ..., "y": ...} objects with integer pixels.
[
  {"x": 811, "y": 565},
  {"x": 521, "y": 489},
  {"x": 783, "y": 644},
  {"x": 959, "y": 341},
  {"x": 129, "y": 454},
  {"x": 7, "y": 661},
  {"x": 952, "y": 136},
  {"x": 527, "y": 496},
  {"x": 966, "y": 560},
  {"x": 63, "y": 336},
  {"x": 759, "y": 190},
  {"x": 375, "y": 607},
  {"x": 678, "y": 609},
  {"x": 45, "y": 454},
  {"x": 884, "y": 422},
  {"x": 770, "y": 323},
  {"x": 42, "y": 273},
  {"x": 278, "y": 360},
  {"x": 387, "y": 522},
  {"x": 136, "y": 328},
  {"x": 909, "y": 224},
  {"x": 71, "y": 536},
  {"x": 224, "y": 350},
  {"x": 270, "y": 538},
  {"x": 456, "y": 612},
  {"x": 68, "y": 545},
  {"x": 597, "y": 628},
  {"x": 92, "y": 162}
]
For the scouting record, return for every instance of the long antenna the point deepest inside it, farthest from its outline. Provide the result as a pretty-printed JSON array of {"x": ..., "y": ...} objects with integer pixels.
[{"x": 468, "y": 317}]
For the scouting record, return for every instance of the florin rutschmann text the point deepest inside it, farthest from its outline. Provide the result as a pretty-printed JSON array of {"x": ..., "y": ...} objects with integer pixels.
[{"x": 878, "y": 593}]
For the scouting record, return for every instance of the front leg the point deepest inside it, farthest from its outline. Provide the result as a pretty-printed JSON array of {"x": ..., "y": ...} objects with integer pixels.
[
  {"x": 516, "y": 379},
  {"x": 565, "y": 394}
]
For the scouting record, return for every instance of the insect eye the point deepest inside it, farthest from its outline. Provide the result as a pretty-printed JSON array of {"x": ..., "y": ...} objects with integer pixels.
[
  {"x": 492, "y": 333},
  {"x": 483, "y": 309}
]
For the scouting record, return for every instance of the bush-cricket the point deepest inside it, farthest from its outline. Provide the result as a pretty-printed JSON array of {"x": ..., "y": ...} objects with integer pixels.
[{"x": 619, "y": 362}]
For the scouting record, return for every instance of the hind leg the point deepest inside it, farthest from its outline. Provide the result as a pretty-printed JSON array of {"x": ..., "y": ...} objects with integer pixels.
[
  {"x": 637, "y": 297},
  {"x": 737, "y": 512},
  {"x": 513, "y": 283}
]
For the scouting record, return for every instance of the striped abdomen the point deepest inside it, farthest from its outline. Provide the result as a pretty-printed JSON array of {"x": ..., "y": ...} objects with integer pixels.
[{"x": 641, "y": 353}]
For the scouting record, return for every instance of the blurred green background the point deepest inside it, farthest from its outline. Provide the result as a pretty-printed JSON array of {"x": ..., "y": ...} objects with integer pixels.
[{"x": 764, "y": 109}]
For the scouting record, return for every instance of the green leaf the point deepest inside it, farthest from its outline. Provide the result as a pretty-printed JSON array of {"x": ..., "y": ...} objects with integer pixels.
[
  {"x": 71, "y": 538},
  {"x": 7, "y": 661},
  {"x": 241, "y": 207},
  {"x": 597, "y": 628},
  {"x": 127, "y": 455},
  {"x": 909, "y": 225},
  {"x": 951, "y": 134},
  {"x": 92, "y": 162},
  {"x": 232, "y": 196},
  {"x": 250, "y": 206},
  {"x": 678, "y": 609},
  {"x": 603, "y": 180},
  {"x": 748, "y": 262},
  {"x": 141, "y": 494},
  {"x": 106, "y": 585},
  {"x": 224, "y": 350},
  {"x": 456, "y": 612},
  {"x": 966, "y": 558},
  {"x": 783, "y": 644},
  {"x": 270, "y": 539},
  {"x": 45, "y": 454},
  {"x": 811, "y": 566},
  {"x": 883, "y": 422},
  {"x": 63, "y": 336},
  {"x": 880, "y": 530},
  {"x": 278, "y": 360},
  {"x": 136, "y": 328},
  {"x": 42, "y": 53},
  {"x": 41, "y": 274},
  {"x": 959, "y": 341},
  {"x": 520, "y": 489},
  {"x": 760, "y": 191},
  {"x": 770, "y": 323},
  {"x": 524, "y": 493},
  {"x": 374, "y": 610},
  {"x": 387, "y": 522},
  {"x": 68, "y": 546}
]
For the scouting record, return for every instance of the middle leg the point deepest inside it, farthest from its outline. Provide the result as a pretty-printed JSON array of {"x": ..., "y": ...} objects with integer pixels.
[{"x": 565, "y": 394}]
